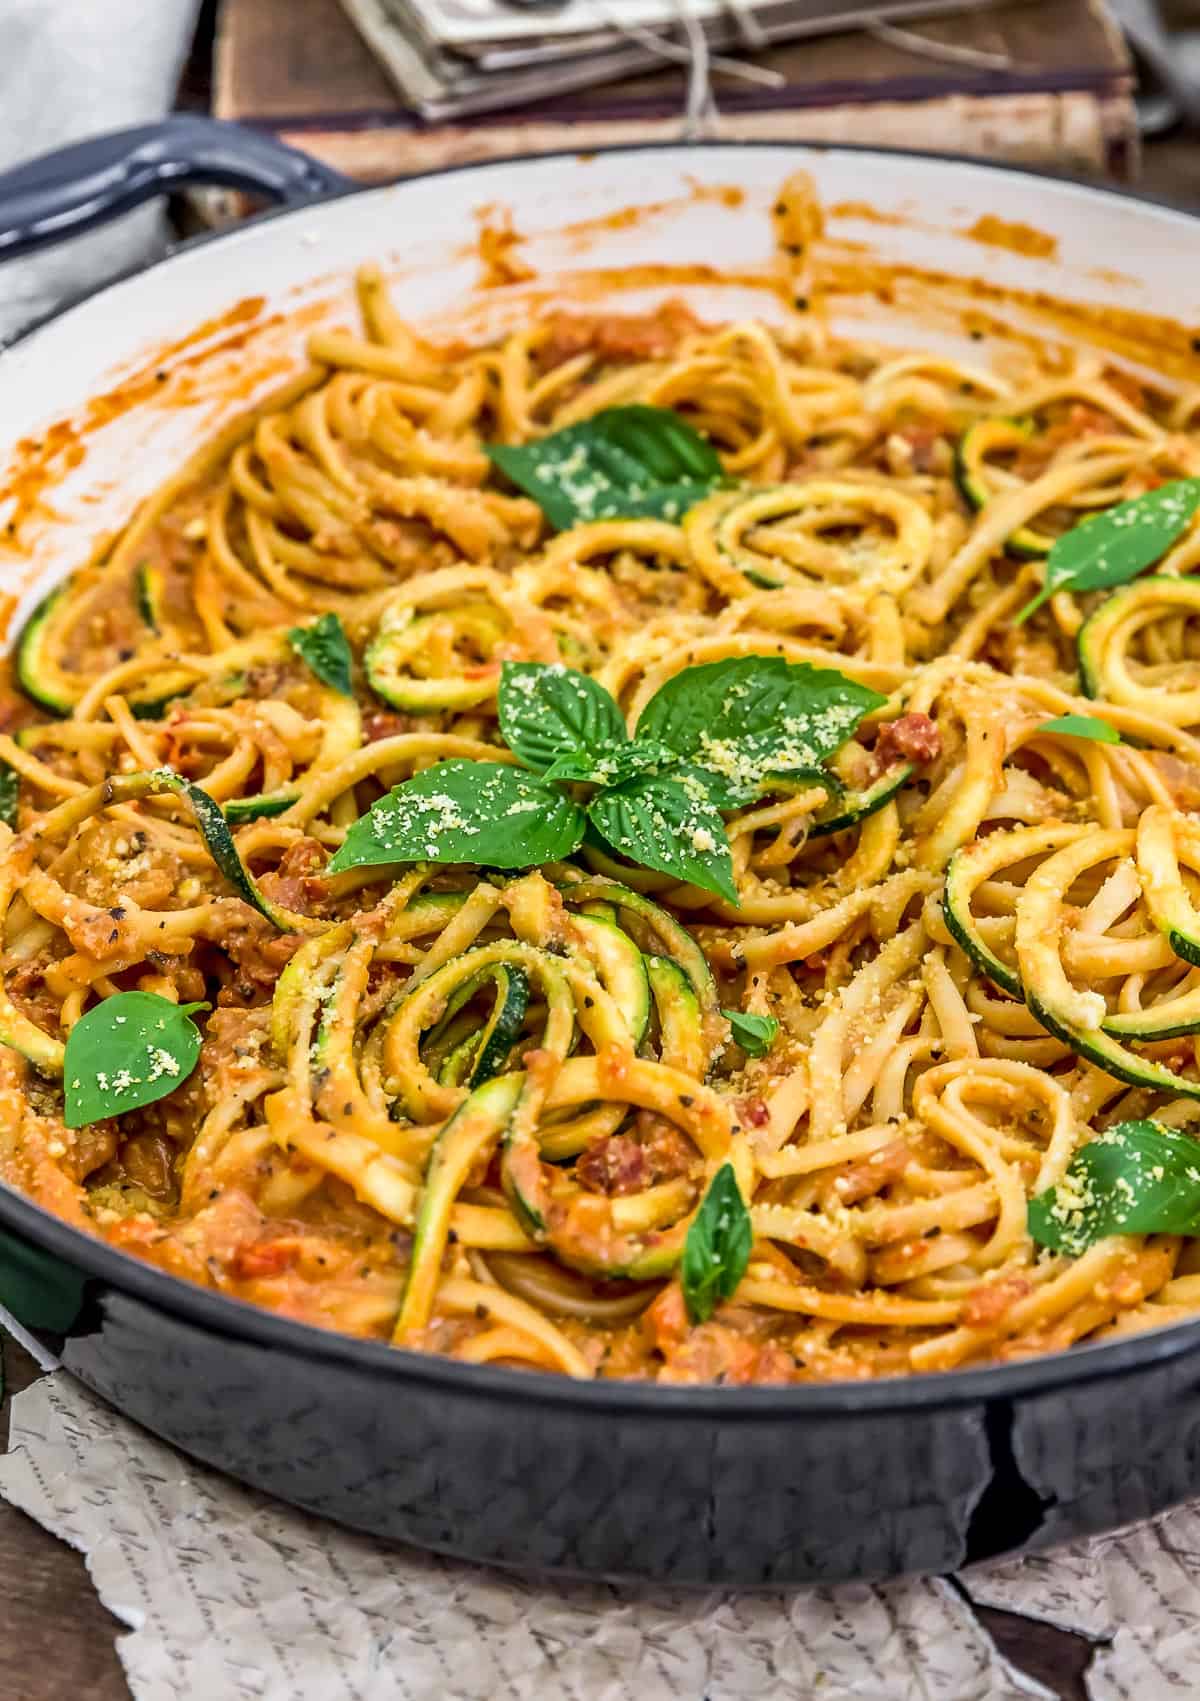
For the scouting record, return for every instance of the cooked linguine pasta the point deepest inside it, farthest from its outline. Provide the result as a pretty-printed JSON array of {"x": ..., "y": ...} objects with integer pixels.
[{"x": 476, "y": 1111}]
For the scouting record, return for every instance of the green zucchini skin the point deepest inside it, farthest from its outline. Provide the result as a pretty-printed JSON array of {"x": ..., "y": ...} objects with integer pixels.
[
  {"x": 436, "y": 907},
  {"x": 1087, "y": 644},
  {"x": 260, "y": 808},
  {"x": 855, "y": 806},
  {"x": 223, "y": 851},
  {"x": 16, "y": 1029},
  {"x": 1143, "y": 1025},
  {"x": 150, "y": 595},
  {"x": 34, "y": 675},
  {"x": 681, "y": 1042},
  {"x": 1108, "y": 1054},
  {"x": 1171, "y": 909},
  {"x": 1184, "y": 945},
  {"x": 455, "y": 1067},
  {"x": 214, "y": 830},
  {"x": 383, "y": 663},
  {"x": 23, "y": 1036},
  {"x": 477, "y": 1123},
  {"x": 1026, "y": 543},
  {"x": 730, "y": 554},
  {"x": 31, "y": 662},
  {"x": 761, "y": 581},
  {"x": 1156, "y": 1023},
  {"x": 10, "y": 793},
  {"x": 1182, "y": 591},
  {"x": 490, "y": 1045},
  {"x": 675, "y": 941},
  {"x": 622, "y": 971},
  {"x": 153, "y": 708},
  {"x": 656, "y": 1255},
  {"x": 149, "y": 592},
  {"x": 961, "y": 925}
]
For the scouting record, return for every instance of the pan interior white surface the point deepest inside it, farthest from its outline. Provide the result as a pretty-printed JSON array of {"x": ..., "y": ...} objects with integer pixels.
[{"x": 705, "y": 217}]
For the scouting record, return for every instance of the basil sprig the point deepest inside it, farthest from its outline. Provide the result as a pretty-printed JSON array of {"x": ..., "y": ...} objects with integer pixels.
[
  {"x": 1135, "y": 1178},
  {"x": 326, "y": 649},
  {"x": 129, "y": 1050},
  {"x": 1083, "y": 726},
  {"x": 709, "y": 740},
  {"x": 1113, "y": 547},
  {"x": 755, "y": 1034},
  {"x": 717, "y": 1249},
  {"x": 626, "y": 462}
]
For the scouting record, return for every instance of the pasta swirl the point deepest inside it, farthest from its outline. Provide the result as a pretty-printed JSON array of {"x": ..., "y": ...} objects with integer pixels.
[{"x": 477, "y": 1113}]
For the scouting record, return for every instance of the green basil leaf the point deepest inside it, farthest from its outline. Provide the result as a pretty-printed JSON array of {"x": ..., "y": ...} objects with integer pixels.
[
  {"x": 624, "y": 462},
  {"x": 621, "y": 762},
  {"x": 1136, "y": 1178},
  {"x": 10, "y": 788},
  {"x": 579, "y": 770},
  {"x": 728, "y": 792},
  {"x": 755, "y": 1034},
  {"x": 668, "y": 824},
  {"x": 717, "y": 1249},
  {"x": 1113, "y": 547},
  {"x": 326, "y": 649},
  {"x": 1083, "y": 726},
  {"x": 482, "y": 812},
  {"x": 548, "y": 712},
  {"x": 126, "y": 1051},
  {"x": 750, "y": 718},
  {"x": 661, "y": 440}
]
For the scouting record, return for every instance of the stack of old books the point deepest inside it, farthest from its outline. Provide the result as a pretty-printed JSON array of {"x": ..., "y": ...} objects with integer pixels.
[
  {"x": 453, "y": 58},
  {"x": 384, "y": 87}
]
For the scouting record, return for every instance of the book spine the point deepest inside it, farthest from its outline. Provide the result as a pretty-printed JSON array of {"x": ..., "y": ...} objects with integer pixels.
[{"x": 1073, "y": 132}]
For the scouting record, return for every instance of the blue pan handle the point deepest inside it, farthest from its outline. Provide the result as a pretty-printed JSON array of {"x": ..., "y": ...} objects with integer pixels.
[{"x": 76, "y": 188}]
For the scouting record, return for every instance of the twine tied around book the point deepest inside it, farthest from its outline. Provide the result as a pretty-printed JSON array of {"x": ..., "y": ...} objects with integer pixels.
[
  {"x": 700, "y": 105},
  {"x": 945, "y": 52},
  {"x": 700, "y": 110}
]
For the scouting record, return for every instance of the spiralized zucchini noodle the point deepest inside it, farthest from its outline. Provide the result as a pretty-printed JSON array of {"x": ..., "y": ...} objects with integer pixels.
[{"x": 975, "y": 968}]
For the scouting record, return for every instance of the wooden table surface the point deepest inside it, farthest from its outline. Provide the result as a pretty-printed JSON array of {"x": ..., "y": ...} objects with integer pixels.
[{"x": 57, "y": 1641}]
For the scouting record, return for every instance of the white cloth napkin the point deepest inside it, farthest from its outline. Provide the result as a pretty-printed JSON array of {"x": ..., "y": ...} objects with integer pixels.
[
  {"x": 232, "y": 1597},
  {"x": 229, "y": 1596},
  {"x": 71, "y": 69}
]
